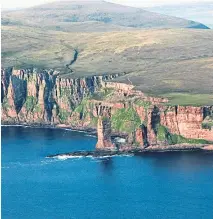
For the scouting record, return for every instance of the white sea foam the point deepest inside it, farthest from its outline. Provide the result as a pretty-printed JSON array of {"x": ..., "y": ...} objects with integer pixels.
[
  {"x": 20, "y": 165},
  {"x": 15, "y": 126},
  {"x": 29, "y": 164},
  {"x": 116, "y": 155},
  {"x": 101, "y": 158},
  {"x": 65, "y": 157},
  {"x": 93, "y": 136},
  {"x": 5, "y": 167},
  {"x": 62, "y": 157},
  {"x": 73, "y": 130},
  {"x": 48, "y": 161},
  {"x": 120, "y": 140}
]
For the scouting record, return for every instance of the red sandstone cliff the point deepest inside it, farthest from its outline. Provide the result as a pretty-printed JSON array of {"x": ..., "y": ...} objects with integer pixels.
[
  {"x": 104, "y": 134},
  {"x": 187, "y": 121},
  {"x": 43, "y": 98}
]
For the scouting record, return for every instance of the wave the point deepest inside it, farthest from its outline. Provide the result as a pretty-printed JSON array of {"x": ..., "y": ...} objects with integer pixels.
[
  {"x": 93, "y": 136},
  {"x": 73, "y": 130},
  {"x": 15, "y": 126},
  {"x": 48, "y": 161},
  {"x": 30, "y": 164},
  {"x": 65, "y": 157},
  {"x": 116, "y": 155},
  {"x": 58, "y": 158},
  {"x": 18, "y": 165},
  {"x": 49, "y": 127},
  {"x": 5, "y": 167}
]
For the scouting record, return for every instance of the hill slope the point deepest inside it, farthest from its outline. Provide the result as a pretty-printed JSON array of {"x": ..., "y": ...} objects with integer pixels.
[
  {"x": 172, "y": 63},
  {"x": 94, "y": 15}
]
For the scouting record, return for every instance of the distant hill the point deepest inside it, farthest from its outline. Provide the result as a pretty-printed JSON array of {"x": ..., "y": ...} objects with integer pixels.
[
  {"x": 197, "y": 11},
  {"x": 94, "y": 15}
]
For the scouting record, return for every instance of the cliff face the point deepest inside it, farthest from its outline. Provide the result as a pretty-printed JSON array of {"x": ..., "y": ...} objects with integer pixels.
[
  {"x": 104, "y": 134},
  {"x": 44, "y": 98},
  {"x": 188, "y": 121}
]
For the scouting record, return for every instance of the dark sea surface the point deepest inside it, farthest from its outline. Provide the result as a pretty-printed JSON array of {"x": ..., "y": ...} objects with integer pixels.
[{"x": 154, "y": 185}]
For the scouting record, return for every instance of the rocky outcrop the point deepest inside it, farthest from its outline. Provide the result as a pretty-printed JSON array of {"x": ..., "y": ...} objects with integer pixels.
[
  {"x": 131, "y": 151},
  {"x": 104, "y": 134},
  {"x": 36, "y": 97},
  {"x": 187, "y": 121},
  {"x": 43, "y": 97}
]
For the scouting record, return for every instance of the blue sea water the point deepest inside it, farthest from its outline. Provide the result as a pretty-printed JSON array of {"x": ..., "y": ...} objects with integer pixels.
[{"x": 154, "y": 185}]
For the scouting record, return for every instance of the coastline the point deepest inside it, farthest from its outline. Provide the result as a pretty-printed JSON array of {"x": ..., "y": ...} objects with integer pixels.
[
  {"x": 114, "y": 152},
  {"x": 133, "y": 152},
  {"x": 46, "y": 126}
]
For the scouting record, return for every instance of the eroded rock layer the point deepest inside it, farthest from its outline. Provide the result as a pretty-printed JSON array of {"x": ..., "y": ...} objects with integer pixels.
[{"x": 44, "y": 98}]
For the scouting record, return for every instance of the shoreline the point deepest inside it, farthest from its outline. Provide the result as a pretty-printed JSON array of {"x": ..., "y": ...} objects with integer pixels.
[
  {"x": 113, "y": 152},
  {"x": 86, "y": 131},
  {"x": 132, "y": 152}
]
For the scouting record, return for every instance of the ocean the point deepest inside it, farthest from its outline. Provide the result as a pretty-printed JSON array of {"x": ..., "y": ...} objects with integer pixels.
[{"x": 163, "y": 185}]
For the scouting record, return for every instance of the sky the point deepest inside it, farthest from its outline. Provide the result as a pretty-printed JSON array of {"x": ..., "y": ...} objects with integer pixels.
[{"x": 11, "y": 4}]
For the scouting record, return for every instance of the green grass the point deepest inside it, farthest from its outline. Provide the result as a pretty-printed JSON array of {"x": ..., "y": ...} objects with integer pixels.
[
  {"x": 30, "y": 103},
  {"x": 176, "y": 64},
  {"x": 90, "y": 16},
  {"x": 37, "y": 109},
  {"x": 103, "y": 94},
  {"x": 94, "y": 121},
  {"x": 5, "y": 104},
  {"x": 7, "y": 54},
  {"x": 189, "y": 99},
  {"x": 145, "y": 104},
  {"x": 164, "y": 135},
  {"x": 108, "y": 92},
  {"x": 125, "y": 120},
  {"x": 82, "y": 106},
  {"x": 207, "y": 125},
  {"x": 63, "y": 115},
  {"x": 65, "y": 92}
]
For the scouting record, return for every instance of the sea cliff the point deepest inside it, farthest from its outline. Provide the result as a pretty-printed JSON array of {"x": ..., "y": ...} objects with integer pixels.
[{"x": 43, "y": 97}]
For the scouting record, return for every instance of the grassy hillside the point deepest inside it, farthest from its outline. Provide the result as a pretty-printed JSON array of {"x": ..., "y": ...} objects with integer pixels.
[
  {"x": 93, "y": 15},
  {"x": 172, "y": 63}
]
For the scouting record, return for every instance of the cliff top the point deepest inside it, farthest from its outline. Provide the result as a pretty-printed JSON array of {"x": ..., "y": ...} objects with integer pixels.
[
  {"x": 84, "y": 38},
  {"x": 170, "y": 63}
]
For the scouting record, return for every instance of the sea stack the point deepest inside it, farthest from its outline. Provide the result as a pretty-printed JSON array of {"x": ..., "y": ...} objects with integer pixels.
[{"x": 104, "y": 134}]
